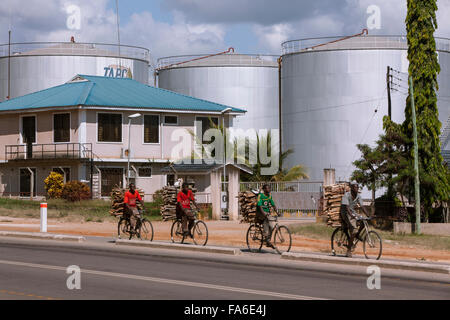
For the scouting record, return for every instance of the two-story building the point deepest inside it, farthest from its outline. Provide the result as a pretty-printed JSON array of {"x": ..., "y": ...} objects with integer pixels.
[{"x": 83, "y": 129}]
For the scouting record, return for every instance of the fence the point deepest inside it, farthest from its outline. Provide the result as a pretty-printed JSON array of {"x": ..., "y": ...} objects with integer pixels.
[{"x": 294, "y": 199}]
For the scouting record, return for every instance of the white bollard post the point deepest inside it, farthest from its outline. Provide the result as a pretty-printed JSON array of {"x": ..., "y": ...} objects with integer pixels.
[{"x": 43, "y": 217}]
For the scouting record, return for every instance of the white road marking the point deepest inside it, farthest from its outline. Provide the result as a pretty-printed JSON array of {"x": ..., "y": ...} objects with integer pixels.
[{"x": 168, "y": 281}]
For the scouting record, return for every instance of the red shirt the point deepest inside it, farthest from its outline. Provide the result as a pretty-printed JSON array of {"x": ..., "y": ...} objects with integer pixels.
[
  {"x": 131, "y": 198},
  {"x": 185, "y": 199}
]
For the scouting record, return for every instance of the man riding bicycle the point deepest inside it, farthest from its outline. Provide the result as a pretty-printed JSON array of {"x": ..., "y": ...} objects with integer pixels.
[
  {"x": 265, "y": 202},
  {"x": 184, "y": 198},
  {"x": 349, "y": 215},
  {"x": 131, "y": 197}
]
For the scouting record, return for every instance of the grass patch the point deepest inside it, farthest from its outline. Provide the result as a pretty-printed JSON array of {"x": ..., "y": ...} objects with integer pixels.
[
  {"x": 87, "y": 210},
  {"x": 323, "y": 232}
]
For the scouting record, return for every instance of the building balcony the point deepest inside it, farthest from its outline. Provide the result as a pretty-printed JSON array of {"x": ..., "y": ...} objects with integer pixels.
[{"x": 52, "y": 151}]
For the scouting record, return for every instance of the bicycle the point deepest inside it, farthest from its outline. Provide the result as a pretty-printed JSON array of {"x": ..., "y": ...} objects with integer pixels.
[
  {"x": 199, "y": 231},
  {"x": 144, "y": 228},
  {"x": 372, "y": 244},
  {"x": 282, "y": 238}
]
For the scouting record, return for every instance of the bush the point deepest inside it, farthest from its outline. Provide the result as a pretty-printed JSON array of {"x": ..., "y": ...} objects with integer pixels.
[
  {"x": 75, "y": 191},
  {"x": 54, "y": 184}
]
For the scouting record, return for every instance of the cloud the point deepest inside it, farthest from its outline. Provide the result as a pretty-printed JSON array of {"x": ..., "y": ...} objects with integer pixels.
[{"x": 270, "y": 37}]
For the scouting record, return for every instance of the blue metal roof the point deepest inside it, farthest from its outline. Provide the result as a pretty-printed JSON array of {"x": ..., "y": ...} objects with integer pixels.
[{"x": 98, "y": 91}]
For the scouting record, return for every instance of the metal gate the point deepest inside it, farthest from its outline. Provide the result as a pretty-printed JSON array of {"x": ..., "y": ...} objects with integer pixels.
[{"x": 295, "y": 200}]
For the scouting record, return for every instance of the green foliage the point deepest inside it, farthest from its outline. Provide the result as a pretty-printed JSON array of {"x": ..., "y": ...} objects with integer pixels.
[
  {"x": 54, "y": 184},
  {"x": 75, "y": 191},
  {"x": 424, "y": 67}
]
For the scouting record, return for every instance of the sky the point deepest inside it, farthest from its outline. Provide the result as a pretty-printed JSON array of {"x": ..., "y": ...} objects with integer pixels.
[{"x": 179, "y": 27}]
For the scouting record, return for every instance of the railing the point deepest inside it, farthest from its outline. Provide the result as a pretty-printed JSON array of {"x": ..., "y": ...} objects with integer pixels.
[
  {"x": 361, "y": 42},
  {"x": 76, "y": 48},
  {"x": 223, "y": 59},
  {"x": 292, "y": 186},
  {"x": 49, "y": 151}
]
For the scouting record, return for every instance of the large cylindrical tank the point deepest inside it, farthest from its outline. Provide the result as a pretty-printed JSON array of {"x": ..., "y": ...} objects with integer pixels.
[
  {"x": 37, "y": 66},
  {"x": 249, "y": 82},
  {"x": 331, "y": 89}
]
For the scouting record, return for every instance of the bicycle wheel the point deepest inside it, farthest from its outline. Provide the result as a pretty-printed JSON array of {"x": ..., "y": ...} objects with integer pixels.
[
  {"x": 254, "y": 238},
  {"x": 372, "y": 245},
  {"x": 339, "y": 242},
  {"x": 200, "y": 233},
  {"x": 123, "y": 228},
  {"x": 176, "y": 232},
  {"x": 145, "y": 231},
  {"x": 282, "y": 240}
]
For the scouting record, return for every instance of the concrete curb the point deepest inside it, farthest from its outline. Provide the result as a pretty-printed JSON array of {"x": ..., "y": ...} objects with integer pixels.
[
  {"x": 411, "y": 266},
  {"x": 176, "y": 246},
  {"x": 42, "y": 236}
]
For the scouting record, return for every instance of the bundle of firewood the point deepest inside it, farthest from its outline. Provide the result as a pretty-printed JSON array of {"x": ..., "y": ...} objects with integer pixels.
[
  {"x": 117, "y": 198},
  {"x": 332, "y": 198},
  {"x": 169, "y": 207},
  {"x": 247, "y": 206}
]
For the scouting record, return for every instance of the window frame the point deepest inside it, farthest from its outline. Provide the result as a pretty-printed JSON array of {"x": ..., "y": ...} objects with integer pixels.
[
  {"x": 206, "y": 116},
  {"x": 21, "y": 127},
  {"x": 144, "y": 177},
  {"x": 159, "y": 129},
  {"x": 97, "y": 127},
  {"x": 35, "y": 184},
  {"x": 64, "y": 168},
  {"x": 170, "y": 124},
  {"x": 70, "y": 126}
]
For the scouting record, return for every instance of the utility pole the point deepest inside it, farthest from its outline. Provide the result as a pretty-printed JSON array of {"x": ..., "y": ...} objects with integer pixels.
[
  {"x": 388, "y": 82},
  {"x": 9, "y": 65},
  {"x": 416, "y": 156}
]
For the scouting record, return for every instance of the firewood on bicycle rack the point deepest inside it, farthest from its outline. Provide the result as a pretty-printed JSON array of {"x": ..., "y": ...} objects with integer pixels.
[
  {"x": 117, "y": 198},
  {"x": 169, "y": 207},
  {"x": 247, "y": 206},
  {"x": 332, "y": 197}
]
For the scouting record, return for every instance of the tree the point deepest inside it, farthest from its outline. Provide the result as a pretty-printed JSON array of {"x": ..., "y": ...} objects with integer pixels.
[
  {"x": 424, "y": 67},
  {"x": 368, "y": 171}
]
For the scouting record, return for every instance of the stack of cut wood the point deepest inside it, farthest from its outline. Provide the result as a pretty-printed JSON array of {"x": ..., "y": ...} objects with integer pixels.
[
  {"x": 169, "y": 207},
  {"x": 247, "y": 206},
  {"x": 117, "y": 204},
  {"x": 332, "y": 197}
]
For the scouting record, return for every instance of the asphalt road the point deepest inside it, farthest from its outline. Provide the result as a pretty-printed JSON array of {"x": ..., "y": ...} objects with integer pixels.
[{"x": 39, "y": 272}]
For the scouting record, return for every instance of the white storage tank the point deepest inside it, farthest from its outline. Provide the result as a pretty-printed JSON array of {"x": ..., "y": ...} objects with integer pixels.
[
  {"x": 40, "y": 65},
  {"x": 330, "y": 90},
  {"x": 249, "y": 82}
]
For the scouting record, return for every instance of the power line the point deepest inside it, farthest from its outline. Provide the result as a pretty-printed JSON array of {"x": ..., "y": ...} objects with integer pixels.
[{"x": 336, "y": 106}]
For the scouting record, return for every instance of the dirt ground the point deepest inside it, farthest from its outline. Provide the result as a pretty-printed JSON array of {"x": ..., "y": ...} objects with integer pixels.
[{"x": 227, "y": 233}]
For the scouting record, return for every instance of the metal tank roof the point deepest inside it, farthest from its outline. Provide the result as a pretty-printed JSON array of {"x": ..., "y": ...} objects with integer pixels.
[
  {"x": 75, "y": 49},
  {"x": 361, "y": 42},
  {"x": 225, "y": 60}
]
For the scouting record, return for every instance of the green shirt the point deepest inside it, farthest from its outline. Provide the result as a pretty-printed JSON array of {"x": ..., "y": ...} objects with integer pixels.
[{"x": 265, "y": 201}]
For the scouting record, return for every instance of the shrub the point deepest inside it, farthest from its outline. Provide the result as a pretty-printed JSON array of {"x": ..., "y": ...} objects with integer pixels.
[
  {"x": 54, "y": 184},
  {"x": 76, "y": 191}
]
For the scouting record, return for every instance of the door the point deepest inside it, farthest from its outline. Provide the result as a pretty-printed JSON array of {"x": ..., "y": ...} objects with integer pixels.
[
  {"x": 25, "y": 182},
  {"x": 29, "y": 134}
]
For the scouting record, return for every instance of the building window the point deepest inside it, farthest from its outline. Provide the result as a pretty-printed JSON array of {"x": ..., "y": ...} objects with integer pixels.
[
  {"x": 63, "y": 171},
  {"x": 171, "y": 120},
  {"x": 145, "y": 172},
  {"x": 151, "y": 129},
  {"x": 170, "y": 179},
  {"x": 110, "y": 178},
  {"x": 61, "y": 127},
  {"x": 25, "y": 182},
  {"x": 29, "y": 129},
  {"x": 206, "y": 123},
  {"x": 109, "y": 127}
]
